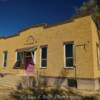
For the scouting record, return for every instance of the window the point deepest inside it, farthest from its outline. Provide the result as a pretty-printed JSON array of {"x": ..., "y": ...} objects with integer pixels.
[
  {"x": 5, "y": 58},
  {"x": 72, "y": 82},
  {"x": 98, "y": 55},
  {"x": 19, "y": 60},
  {"x": 68, "y": 55},
  {"x": 43, "y": 56}
]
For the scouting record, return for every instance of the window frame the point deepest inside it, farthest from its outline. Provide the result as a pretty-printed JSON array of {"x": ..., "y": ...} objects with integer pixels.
[
  {"x": 65, "y": 58},
  {"x": 5, "y": 60},
  {"x": 41, "y": 59},
  {"x": 21, "y": 65},
  {"x": 17, "y": 54}
]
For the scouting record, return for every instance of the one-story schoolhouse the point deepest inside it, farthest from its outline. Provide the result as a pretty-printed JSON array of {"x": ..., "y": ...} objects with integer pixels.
[{"x": 68, "y": 51}]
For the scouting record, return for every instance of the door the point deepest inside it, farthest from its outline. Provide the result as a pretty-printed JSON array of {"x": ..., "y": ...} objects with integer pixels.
[{"x": 29, "y": 62}]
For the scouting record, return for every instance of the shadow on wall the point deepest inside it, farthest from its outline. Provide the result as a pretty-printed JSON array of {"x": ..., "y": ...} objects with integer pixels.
[
  {"x": 61, "y": 78},
  {"x": 57, "y": 82}
]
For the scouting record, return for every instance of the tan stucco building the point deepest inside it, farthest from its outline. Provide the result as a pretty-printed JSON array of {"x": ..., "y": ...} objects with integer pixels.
[{"x": 66, "y": 52}]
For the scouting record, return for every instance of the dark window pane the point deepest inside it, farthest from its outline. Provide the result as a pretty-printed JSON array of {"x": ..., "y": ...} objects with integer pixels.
[
  {"x": 5, "y": 58},
  {"x": 44, "y": 63},
  {"x": 44, "y": 52},
  {"x": 5, "y": 55},
  {"x": 72, "y": 83},
  {"x": 69, "y": 50},
  {"x": 18, "y": 56},
  {"x": 18, "y": 63},
  {"x": 44, "y": 56},
  {"x": 33, "y": 52},
  {"x": 69, "y": 62},
  {"x": 27, "y": 53},
  {"x": 5, "y": 64},
  {"x": 19, "y": 60}
]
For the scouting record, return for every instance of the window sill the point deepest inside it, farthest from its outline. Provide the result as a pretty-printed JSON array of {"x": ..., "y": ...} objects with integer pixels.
[
  {"x": 69, "y": 67},
  {"x": 43, "y": 67}
]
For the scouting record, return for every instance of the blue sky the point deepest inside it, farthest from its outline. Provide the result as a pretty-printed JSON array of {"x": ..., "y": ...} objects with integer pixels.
[{"x": 17, "y": 14}]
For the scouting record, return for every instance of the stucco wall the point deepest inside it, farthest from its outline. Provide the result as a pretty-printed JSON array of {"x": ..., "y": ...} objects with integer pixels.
[
  {"x": 95, "y": 40},
  {"x": 78, "y": 31}
]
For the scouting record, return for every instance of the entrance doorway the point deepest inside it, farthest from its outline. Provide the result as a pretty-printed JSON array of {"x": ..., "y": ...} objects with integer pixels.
[
  {"x": 25, "y": 61},
  {"x": 29, "y": 62}
]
